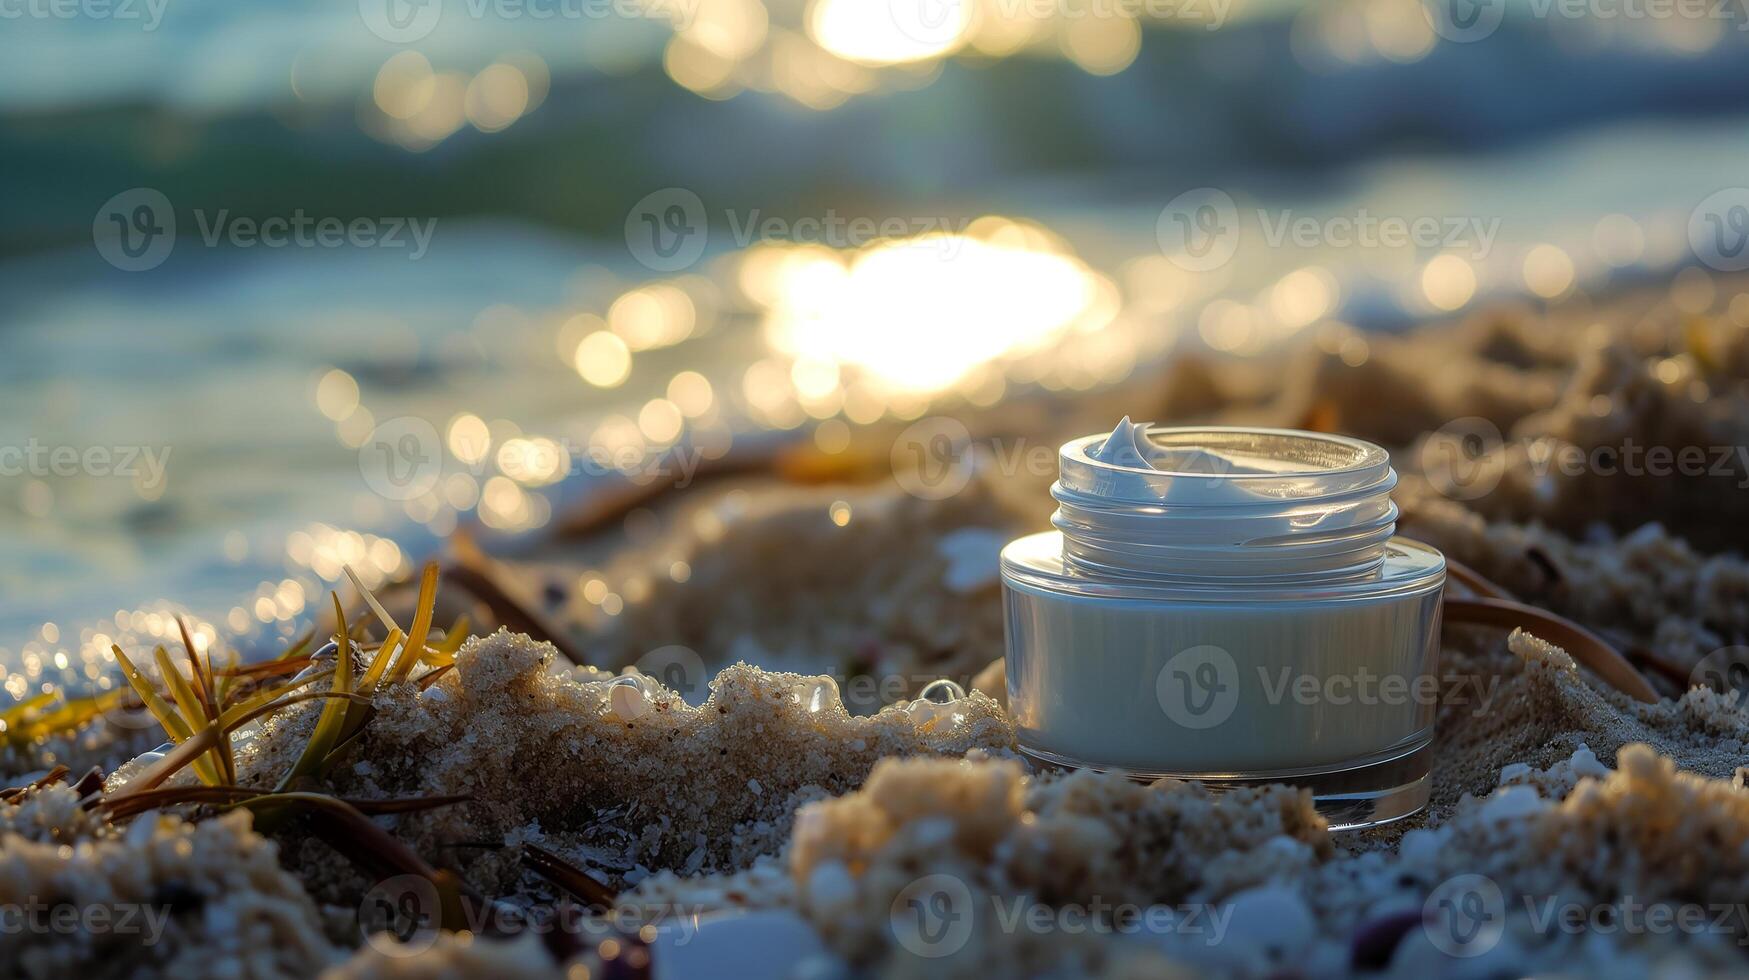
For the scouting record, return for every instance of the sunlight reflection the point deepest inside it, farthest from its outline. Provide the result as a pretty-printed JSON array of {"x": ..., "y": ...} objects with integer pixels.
[{"x": 918, "y": 314}]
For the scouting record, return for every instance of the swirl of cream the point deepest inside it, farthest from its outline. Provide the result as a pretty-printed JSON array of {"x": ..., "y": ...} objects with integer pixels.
[{"x": 1124, "y": 447}]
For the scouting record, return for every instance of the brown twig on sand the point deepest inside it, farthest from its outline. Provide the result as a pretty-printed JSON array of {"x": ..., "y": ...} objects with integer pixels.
[
  {"x": 1495, "y": 606},
  {"x": 481, "y": 581},
  {"x": 1583, "y": 645},
  {"x": 1473, "y": 580},
  {"x": 566, "y": 875}
]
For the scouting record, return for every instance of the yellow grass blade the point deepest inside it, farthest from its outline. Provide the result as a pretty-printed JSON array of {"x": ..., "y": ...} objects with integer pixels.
[
  {"x": 203, "y": 677},
  {"x": 333, "y": 720},
  {"x": 241, "y": 708},
  {"x": 175, "y": 726},
  {"x": 380, "y": 665},
  {"x": 376, "y": 607},
  {"x": 181, "y": 693},
  {"x": 208, "y": 767},
  {"x": 69, "y": 716},
  {"x": 414, "y": 648},
  {"x": 166, "y": 715},
  {"x": 453, "y": 638},
  {"x": 24, "y": 712}
]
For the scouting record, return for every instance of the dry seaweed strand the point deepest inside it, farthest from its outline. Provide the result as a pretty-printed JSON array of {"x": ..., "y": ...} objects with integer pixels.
[
  {"x": 200, "y": 721},
  {"x": 1495, "y": 607},
  {"x": 567, "y": 876}
]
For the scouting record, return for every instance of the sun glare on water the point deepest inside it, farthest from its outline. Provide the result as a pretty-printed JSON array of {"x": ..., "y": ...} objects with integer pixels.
[
  {"x": 919, "y": 314},
  {"x": 890, "y": 32}
]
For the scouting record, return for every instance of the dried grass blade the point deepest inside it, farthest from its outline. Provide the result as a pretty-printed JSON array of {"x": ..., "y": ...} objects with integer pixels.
[
  {"x": 353, "y": 834},
  {"x": 244, "y": 707},
  {"x": 567, "y": 876},
  {"x": 209, "y": 768},
  {"x": 414, "y": 648},
  {"x": 166, "y": 715},
  {"x": 379, "y": 665},
  {"x": 205, "y": 738},
  {"x": 431, "y": 677},
  {"x": 407, "y": 804},
  {"x": 479, "y": 583},
  {"x": 14, "y": 794},
  {"x": 70, "y": 716},
  {"x": 226, "y": 762},
  {"x": 203, "y": 684},
  {"x": 268, "y": 668},
  {"x": 456, "y": 635},
  {"x": 376, "y": 607},
  {"x": 333, "y": 720},
  {"x": 133, "y": 804}
]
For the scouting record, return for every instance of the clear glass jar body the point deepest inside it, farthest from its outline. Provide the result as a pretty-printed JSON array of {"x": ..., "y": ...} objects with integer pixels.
[{"x": 1270, "y": 632}]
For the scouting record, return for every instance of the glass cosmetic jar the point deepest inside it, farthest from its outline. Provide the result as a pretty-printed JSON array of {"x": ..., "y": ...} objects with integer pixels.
[{"x": 1229, "y": 605}]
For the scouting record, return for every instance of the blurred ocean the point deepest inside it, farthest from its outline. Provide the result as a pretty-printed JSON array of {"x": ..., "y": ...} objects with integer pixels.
[
  {"x": 1554, "y": 159},
  {"x": 217, "y": 363}
]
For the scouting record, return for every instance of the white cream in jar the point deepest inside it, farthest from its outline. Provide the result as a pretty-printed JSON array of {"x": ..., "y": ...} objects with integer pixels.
[{"x": 1230, "y": 605}]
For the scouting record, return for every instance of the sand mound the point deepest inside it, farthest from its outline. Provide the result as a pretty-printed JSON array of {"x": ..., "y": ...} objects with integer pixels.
[
  {"x": 159, "y": 897},
  {"x": 590, "y": 766}
]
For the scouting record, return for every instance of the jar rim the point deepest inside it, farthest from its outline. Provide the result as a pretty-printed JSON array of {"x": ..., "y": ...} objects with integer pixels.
[
  {"x": 1364, "y": 455},
  {"x": 1235, "y": 502}
]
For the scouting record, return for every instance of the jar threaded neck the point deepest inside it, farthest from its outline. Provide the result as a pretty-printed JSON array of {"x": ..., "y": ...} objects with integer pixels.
[{"x": 1230, "y": 504}]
